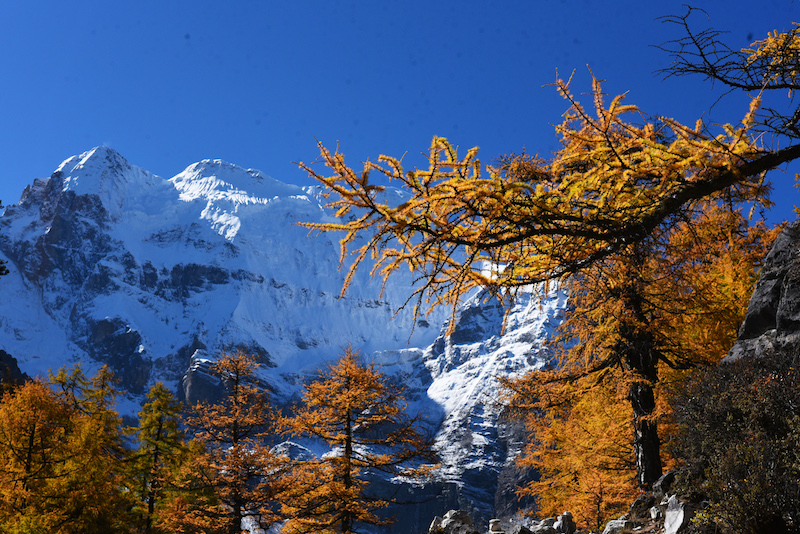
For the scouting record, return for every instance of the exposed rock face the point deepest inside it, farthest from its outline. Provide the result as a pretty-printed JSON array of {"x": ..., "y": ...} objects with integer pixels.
[
  {"x": 675, "y": 516},
  {"x": 9, "y": 370},
  {"x": 772, "y": 322},
  {"x": 480, "y": 446}
]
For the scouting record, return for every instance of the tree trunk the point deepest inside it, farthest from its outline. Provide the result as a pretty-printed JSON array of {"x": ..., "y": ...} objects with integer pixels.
[
  {"x": 347, "y": 515},
  {"x": 640, "y": 358},
  {"x": 154, "y": 474},
  {"x": 646, "y": 443}
]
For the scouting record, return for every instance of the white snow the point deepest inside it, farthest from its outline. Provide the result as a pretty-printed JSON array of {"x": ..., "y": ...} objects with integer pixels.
[{"x": 260, "y": 281}]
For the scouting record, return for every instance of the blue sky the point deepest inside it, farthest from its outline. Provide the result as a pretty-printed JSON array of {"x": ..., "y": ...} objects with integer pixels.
[{"x": 167, "y": 83}]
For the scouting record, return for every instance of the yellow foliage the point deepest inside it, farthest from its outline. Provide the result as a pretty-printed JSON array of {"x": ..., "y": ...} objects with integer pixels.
[
  {"x": 781, "y": 52},
  {"x": 231, "y": 458},
  {"x": 581, "y": 449},
  {"x": 531, "y": 220},
  {"x": 638, "y": 214},
  {"x": 353, "y": 409},
  {"x": 60, "y": 468},
  {"x": 690, "y": 296}
]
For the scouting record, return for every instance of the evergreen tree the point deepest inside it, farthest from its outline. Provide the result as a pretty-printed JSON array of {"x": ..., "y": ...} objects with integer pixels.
[
  {"x": 161, "y": 450},
  {"x": 95, "y": 484},
  {"x": 355, "y": 410}
]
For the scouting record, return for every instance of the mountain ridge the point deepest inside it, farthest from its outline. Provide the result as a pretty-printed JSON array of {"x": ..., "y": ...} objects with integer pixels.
[{"x": 114, "y": 265}]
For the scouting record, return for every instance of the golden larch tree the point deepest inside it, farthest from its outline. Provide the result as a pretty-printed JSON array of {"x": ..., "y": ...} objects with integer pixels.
[
  {"x": 34, "y": 426},
  {"x": 691, "y": 299},
  {"x": 599, "y": 210},
  {"x": 354, "y": 409},
  {"x": 236, "y": 462},
  {"x": 62, "y": 456}
]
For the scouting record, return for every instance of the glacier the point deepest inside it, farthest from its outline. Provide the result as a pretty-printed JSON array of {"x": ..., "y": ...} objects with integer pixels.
[{"x": 111, "y": 264}]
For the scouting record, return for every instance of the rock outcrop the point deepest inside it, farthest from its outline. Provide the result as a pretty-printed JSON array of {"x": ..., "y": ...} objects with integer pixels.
[
  {"x": 772, "y": 322},
  {"x": 9, "y": 370}
]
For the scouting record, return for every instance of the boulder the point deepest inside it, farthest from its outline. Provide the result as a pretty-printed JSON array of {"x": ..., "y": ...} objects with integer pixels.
[
  {"x": 545, "y": 526},
  {"x": 564, "y": 524},
  {"x": 453, "y": 522},
  {"x": 495, "y": 526},
  {"x": 617, "y": 525},
  {"x": 662, "y": 486},
  {"x": 676, "y": 516},
  {"x": 519, "y": 529}
]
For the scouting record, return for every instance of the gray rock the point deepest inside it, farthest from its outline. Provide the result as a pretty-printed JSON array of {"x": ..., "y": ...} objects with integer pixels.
[
  {"x": 772, "y": 321},
  {"x": 513, "y": 436},
  {"x": 676, "y": 516},
  {"x": 114, "y": 342},
  {"x": 9, "y": 370},
  {"x": 656, "y": 513},
  {"x": 418, "y": 503},
  {"x": 565, "y": 524},
  {"x": 495, "y": 526},
  {"x": 617, "y": 525},
  {"x": 544, "y": 526},
  {"x": 480, "y": 320},
  {"x": 662, "y": 486},
  {"x": 453, "y": 522},
  {"x": 199, "y": 384}
]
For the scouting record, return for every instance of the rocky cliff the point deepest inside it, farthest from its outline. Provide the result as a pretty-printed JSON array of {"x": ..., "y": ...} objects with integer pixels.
[{"x": 772, "y": 322}]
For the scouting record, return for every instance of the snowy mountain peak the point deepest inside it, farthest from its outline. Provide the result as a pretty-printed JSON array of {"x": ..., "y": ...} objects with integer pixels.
[
  {"x": 112, "y": 265},
  {"x": 217, "y": 179},
  {"x": 102, "y": 171}
]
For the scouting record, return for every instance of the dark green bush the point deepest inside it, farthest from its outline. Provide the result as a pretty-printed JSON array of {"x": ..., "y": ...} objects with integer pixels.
[{"x": 738, "y": 433}]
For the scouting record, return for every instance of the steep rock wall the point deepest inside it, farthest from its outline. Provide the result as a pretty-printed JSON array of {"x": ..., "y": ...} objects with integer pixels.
[{"x": 772, "y": 322}]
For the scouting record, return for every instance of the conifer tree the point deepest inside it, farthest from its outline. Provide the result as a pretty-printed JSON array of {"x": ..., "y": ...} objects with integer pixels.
[
  {"x": 356, "y": 411},
  {"x": 601, "y": 210},
  {"x": 96, "y": 478},
  {"x": 694, "y": 309},
  {"x": 161, "y": 450},
  {"x": 190, "y": 504},
  {"x": 581, "y": 450},
  {"x": 234, "y": 460}
]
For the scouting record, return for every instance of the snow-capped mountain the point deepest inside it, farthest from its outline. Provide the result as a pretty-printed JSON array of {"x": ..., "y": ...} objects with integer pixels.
[{"x": 155, "y": 277}]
